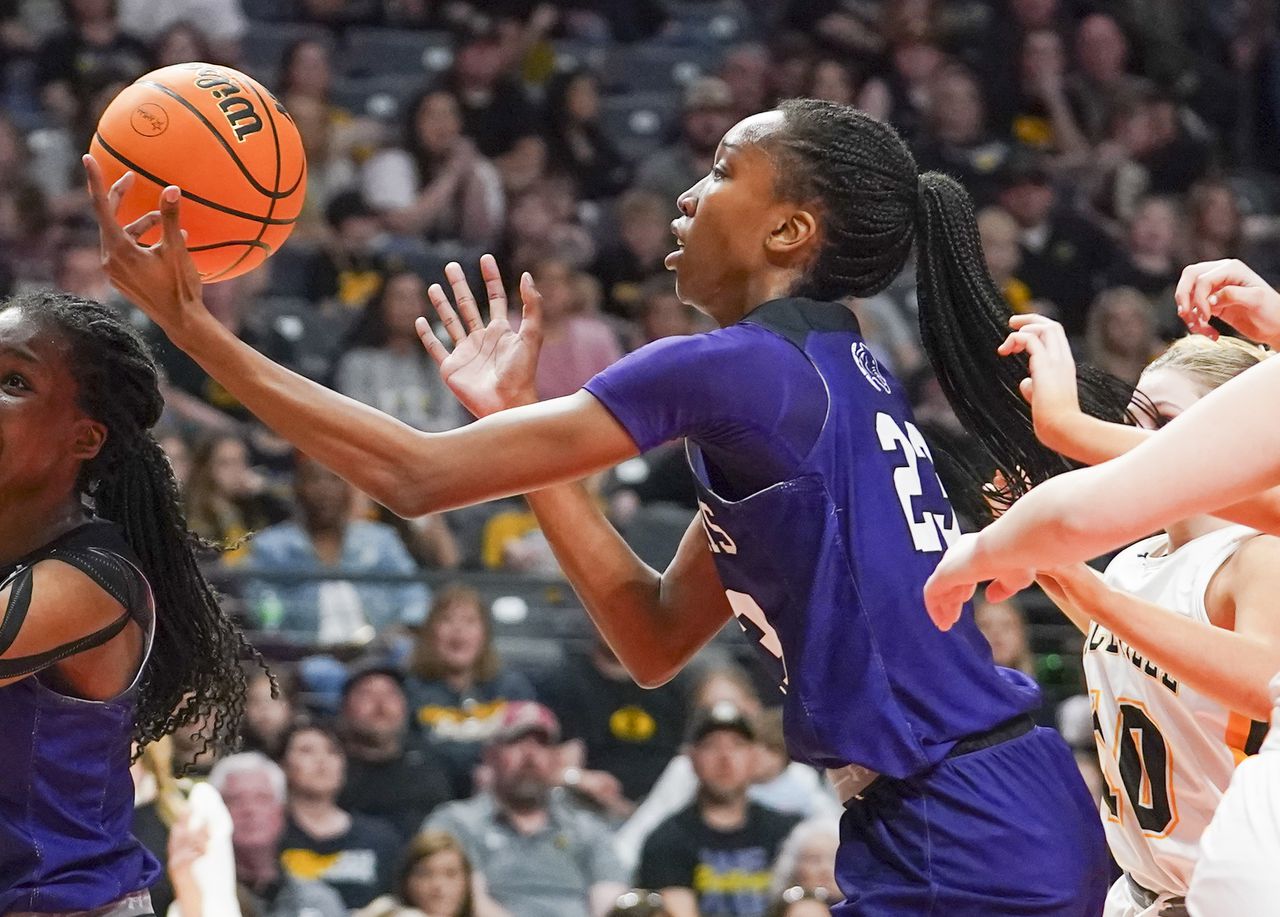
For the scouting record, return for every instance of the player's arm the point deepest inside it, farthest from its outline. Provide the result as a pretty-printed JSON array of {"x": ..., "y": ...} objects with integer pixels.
[
  {"x": 653, "y": 621},
  {"x": 1231, "y": 666},
  {"x": 1219, "y": 452},
  {"x": 1063, "y": 427}
]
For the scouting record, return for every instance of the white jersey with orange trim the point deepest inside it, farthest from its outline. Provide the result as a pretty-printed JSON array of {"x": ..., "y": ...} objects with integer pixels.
[{"x": 1167, "y": 751}]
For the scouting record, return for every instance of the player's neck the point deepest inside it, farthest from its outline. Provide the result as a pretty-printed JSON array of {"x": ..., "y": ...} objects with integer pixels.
[
  {"x": 31, "y": 523},
  {"x": 1181, "y": 533}
]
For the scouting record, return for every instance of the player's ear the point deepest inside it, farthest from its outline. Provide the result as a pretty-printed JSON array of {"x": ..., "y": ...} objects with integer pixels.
[
  {"x": 89, "y": 437},
  {"x": 794, "y": 232}
]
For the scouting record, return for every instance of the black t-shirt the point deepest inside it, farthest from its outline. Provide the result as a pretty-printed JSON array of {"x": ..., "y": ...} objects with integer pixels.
[
  {"x": 629, "y": 731},
  {"x": 68, "y": 56},
  {"x": 729, "y": 871},
  {"x": 402, "y": 792},
  {"x": 1068, "y": 269},
  {"x": 495, "y": 121},
  {"x": 358, "y": 865}
]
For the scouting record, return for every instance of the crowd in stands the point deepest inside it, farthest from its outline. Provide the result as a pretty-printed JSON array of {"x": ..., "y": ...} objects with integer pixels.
[{"x": 401, "y": 768}]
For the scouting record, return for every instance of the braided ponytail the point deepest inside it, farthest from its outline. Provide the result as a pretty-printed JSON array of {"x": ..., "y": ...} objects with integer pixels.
[
  {"x": 194, "y": 672},
  {"x": 875, "y": 210}
]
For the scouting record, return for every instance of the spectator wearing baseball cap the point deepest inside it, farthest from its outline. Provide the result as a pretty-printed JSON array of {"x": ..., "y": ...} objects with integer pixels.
[
  {"x": 387, "y": 776},
  {"x": 715, "y": 857},
  {"x": 708, "y": 113},
  {"x": 538, "y": 855}
]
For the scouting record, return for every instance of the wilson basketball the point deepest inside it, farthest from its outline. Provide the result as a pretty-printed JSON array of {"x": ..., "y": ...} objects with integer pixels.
[{"x": 227, "y": 142}]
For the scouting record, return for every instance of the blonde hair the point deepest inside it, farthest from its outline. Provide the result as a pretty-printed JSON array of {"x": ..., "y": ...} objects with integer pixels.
[
  {"x": 156, "y": 759},
  {"x": 428, "y": 844},
  {"x": 1209, "y": 362}
]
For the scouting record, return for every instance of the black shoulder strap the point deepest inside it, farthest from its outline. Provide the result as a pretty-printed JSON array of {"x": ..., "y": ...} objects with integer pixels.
[{"x": 114, "y": 575}]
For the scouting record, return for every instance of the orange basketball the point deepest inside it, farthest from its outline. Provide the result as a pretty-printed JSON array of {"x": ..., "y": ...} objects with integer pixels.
[{"x": 229, "y": 145}]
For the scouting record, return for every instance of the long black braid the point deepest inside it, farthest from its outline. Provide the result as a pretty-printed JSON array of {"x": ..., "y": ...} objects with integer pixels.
[
  {"x": 876, "y": 209},
  {"x": 194, "y": 671}
]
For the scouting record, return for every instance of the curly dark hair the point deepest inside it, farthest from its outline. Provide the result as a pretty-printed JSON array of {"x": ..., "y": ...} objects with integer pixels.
[
  {"x": 875, "y": 210},
  {"x": 194, "y": 670}
]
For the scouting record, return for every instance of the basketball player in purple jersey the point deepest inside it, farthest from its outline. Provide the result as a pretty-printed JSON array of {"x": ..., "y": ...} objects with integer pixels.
[
  {"x": 109, "y": 631},
  {"x": 821, "y": 514}
]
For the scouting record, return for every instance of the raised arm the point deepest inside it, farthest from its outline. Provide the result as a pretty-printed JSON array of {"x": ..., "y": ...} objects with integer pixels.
[
  {"x": 653, "y": 621},
  {"x": 410, "y": 472},
  {"x": 1064, "y": 428},
  {"x": 1220, "y": 452}
]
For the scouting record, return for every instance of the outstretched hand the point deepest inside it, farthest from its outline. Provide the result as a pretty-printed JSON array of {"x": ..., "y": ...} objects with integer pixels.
[
  {"x": 955, "y": 580},
  {"x": 1051, "y": 387},
  {"x": 1232, "y": 291},
  {"x": 491, "y": 367},
  {"x": 160, "y": 279}
]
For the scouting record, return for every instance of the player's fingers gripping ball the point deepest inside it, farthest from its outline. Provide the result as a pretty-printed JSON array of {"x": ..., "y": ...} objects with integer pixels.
[{"x": 227, "y": 142}]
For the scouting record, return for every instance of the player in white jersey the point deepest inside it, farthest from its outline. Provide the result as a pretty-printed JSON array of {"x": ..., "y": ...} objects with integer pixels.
[
  {"x": 1239, "y": 852},
  {"x": 1167, "y": 731}
]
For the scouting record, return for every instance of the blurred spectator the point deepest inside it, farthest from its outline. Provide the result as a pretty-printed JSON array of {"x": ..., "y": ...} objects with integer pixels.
[
  {"x": 1103, "y": 77},
  {"x": 846, "y": 29},
  {"x": 624, "y": 729},
  {"x": 385, "y": 365},
  {"x": 225, "y": 499},
  {"x": 157, "y": 803},
  {"x": 339, "y": 14},
  {"x": 955, "y": 139},
  {"x": 1063, "y": 254},
  {"x": 1005, "y": 627},
  {"x": 493, "y": 105},
  {"x": 221, "y": 25},
  {"x": 326, "y": 540},
  {"x": 1214, "y": 222},
  {"x": 708, "y": 113},
  {"x": 254, "y": 790},
  {"x": 745, "y": 70},
  {"x": 353, "y": 854},
  {"x": 536, "y": 231},
  {"x": 457, "y": 687},
  {"x": 330, "y": 171},
  {"x": 1149, "y": 261},
  {"x": 620, "y": 20},
  {"x": 92, "y": 50},
  {"x": 79, "y": 269},
  {"x": 1117, "y": 177},
  {"x": 644, "y": 241},
  {"x": 438, "y": 185},
  {"x": 434, "y": 879},
  {"x": 386, "y": 777},
  {"x": 677, "y": 787},
  {"x": 526, "y": 165},
  {"x": 1045, "y": 119},
  {"x": 999, "y": 233},
  {"x": 574, "y": 346},
  {"x": 719, "y": 851},
  {"x": 350, "y": 270},
  {"x": 306, "y": 71},
  {"x": 268, "y": 718},
  {"x": 914, "y": 63},
  {"x": 539, "y": 856},
  {"x": 181, "y": 43},
  {"x": 807, "y": 859},
  {"x": 662, "y": 314},
  {"x": 1180, "y": 153},
  {"x": 1122, "y": 335},
  {"x": 178, "y": 454},
  {"x": 576, "y": 144}
]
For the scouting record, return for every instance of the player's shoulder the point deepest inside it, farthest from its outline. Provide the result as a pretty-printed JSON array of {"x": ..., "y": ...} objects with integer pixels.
[
  {"x": 1257, "y": 559},
  {"x": 795, "y": 318}
]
